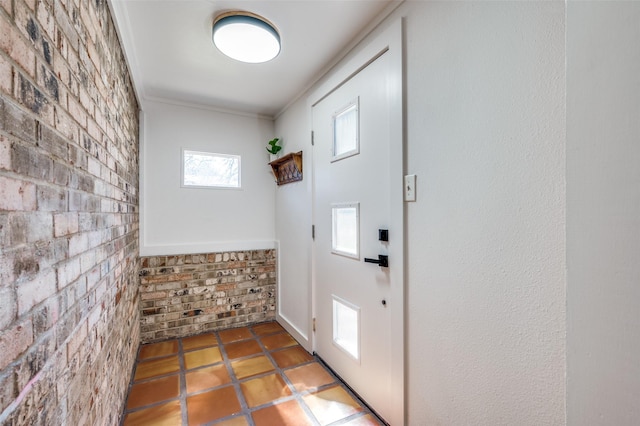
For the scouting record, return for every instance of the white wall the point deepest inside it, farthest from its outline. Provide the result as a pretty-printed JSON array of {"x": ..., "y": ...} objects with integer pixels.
[
  {"x": 293, "y": 225},
  {"x": 486, "y": 238},
  {"x": 603, "y": 213},
  {"x": 188, "y": 220}
]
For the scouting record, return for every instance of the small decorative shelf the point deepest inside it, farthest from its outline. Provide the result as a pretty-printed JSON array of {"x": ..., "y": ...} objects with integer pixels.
[{"x": 288, "y": 168}]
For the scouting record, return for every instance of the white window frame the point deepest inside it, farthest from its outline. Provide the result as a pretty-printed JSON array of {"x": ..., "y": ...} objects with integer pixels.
[
  {"x": 355, "y": 103},
  {"x": 355, "y": 357},
  {"x": 210, "y": 154},
  {"x": 333, "y": 230}
]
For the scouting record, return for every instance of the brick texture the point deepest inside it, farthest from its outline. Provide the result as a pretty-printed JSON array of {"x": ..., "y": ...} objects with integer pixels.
[
  {"x": 190, "y": 294},
  {"x": 69, "y": 303}
]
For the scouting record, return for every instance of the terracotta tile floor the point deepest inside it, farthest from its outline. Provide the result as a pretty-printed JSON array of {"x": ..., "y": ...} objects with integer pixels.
[{"x": 249, "y": 376}]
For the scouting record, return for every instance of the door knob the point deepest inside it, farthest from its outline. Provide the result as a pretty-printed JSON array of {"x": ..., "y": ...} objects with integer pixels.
[{"x": 382, "y": 260}]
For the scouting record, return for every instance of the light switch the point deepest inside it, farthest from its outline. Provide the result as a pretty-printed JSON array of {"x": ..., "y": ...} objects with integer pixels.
[{"x": 410, "y": 188}]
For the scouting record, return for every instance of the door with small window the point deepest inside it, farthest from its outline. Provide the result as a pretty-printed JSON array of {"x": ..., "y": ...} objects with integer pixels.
[{"x": 355, "y": 304}]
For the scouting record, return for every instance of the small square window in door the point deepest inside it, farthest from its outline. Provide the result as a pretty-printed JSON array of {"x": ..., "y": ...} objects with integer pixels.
[
  {"x": 346, "y": 131},
  {"x": 345, "y": 227},
  {"x": 346, "y": 327}
]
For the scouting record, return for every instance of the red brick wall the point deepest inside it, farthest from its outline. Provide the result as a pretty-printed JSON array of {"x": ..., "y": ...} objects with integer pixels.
[
  {"x": 191, "y": 294},
  {"x": 69, "y": 317}
]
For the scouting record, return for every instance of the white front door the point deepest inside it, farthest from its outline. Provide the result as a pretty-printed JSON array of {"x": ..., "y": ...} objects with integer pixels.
[{"x": 358, "y": 305}]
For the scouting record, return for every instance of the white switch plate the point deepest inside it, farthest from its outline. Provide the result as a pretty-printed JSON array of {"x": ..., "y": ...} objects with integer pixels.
[{"x": 410, "y": 188}]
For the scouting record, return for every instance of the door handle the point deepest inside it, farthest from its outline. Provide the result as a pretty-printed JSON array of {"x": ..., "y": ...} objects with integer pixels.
[{"x": 382, "y": 260}]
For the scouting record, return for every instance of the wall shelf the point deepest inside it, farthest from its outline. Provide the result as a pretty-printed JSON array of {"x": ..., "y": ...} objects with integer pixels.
[{"x": 288, "y": 168}]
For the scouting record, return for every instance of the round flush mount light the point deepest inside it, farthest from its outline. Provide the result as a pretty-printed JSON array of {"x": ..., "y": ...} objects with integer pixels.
[{"x": 246, "y": 37}]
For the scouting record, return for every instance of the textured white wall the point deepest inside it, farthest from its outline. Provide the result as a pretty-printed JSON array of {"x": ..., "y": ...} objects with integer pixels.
[
  {"x": 603, "y": 213},
  {"x": 189, "y": 220},
  {"x": 486, "y": 238}
]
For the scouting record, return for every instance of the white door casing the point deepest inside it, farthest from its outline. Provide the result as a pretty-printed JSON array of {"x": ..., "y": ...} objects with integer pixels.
[{"x": 366, "y": 180}]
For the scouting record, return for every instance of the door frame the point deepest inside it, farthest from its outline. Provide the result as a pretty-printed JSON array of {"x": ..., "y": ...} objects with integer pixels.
[{"x": 388, "y": 42}]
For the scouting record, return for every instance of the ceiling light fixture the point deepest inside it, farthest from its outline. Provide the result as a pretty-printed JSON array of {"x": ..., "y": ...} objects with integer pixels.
[{"x": 246, "y": 37}]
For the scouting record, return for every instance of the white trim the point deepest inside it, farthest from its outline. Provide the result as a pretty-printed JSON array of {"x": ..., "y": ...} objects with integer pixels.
[
  {"x": 123, "y": 27},
  {"x": 196, "y": 105},
  {"x": 396, "y": 259},
  {"x": 142, "y": 220},
  {"x": 299, "y": 335},
  {"x": 121, "y": 17},
  {"x": 209, "y": 247},
  {"x": 332, "y": 64}
]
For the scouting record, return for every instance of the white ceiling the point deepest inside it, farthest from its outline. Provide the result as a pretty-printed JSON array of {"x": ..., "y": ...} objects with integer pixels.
[{"x": 171, "y": 55}]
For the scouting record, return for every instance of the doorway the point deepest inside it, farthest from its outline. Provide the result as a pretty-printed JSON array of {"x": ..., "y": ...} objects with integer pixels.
[{"x": 358, "y": 249}]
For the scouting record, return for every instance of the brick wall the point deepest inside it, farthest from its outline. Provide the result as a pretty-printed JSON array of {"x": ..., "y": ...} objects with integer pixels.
[
  {"x": 69, "y": 317},
  {"x": 190, "y": 294}
]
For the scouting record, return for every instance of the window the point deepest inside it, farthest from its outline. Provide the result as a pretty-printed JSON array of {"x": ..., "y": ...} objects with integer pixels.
[
  {"x": 346, "y": 132},
  {"x": 346, "y": 327},
  {"x": 345, "y": 224},
  {"x": 209, "y": 170}
]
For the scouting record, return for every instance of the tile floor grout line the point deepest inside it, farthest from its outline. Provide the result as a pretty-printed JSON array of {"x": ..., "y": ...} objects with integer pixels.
[
  {"x": 350, "y": 391},
  {"x": 124, "y": 412},
  {"x": 251, "y": 410},
  {"x": 304, "y": 392},
  {"x": 150, "y": 379},
  {"x": 353, "y": 417},
  {"x": 297, "y": 394},
  {"x": 277, "y": 370},
  {"x": 152, "y": 405},
  {"x": 272, "y": 329},
  {"x": 264, "y": 352},
  {"x": 234, "y": 381},
  {"x": 220, "y": 345},
  {"x": 183, "y": 384}
]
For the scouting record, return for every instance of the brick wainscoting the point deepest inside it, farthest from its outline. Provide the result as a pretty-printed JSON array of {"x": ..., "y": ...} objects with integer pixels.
[
  {"x": 69, "y": 325},
  {"x": 190, "y": 294}
]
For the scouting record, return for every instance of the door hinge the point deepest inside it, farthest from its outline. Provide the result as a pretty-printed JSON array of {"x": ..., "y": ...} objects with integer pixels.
[
  {"x": 314, "y": 325},
  {"x": 313, "y": 232},
  {"x": 313, "y": 142}
]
